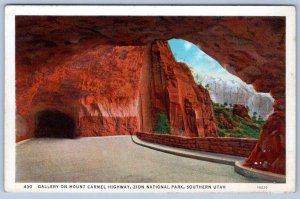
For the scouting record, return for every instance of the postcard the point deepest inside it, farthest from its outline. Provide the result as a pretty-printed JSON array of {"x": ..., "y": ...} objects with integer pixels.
[{"x": 150, "y": 98}]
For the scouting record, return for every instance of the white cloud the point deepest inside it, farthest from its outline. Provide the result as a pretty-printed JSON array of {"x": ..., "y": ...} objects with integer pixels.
[{"x": 187, "y": 45}]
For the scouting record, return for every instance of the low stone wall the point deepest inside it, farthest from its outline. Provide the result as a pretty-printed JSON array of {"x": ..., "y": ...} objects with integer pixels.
[{"x": 229, "y": 146}]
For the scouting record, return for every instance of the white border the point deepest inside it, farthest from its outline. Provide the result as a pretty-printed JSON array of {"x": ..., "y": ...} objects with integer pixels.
[{"x": 288, "y": 11}]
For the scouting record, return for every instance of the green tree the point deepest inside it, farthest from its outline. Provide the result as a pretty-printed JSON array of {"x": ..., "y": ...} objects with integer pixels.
[
  {"x": 260, "y": 120},
  {"x": 162, "y": 124},
  {"x": 254, "y": 116}
]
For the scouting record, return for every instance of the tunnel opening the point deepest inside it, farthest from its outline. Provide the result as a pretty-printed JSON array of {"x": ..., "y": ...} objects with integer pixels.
[
  {"x": 54, "y": 124},
  {"x": 239, "y": 109}
]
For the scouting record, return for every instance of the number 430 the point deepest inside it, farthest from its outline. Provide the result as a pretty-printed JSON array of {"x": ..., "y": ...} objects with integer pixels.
[{"x": 27, "y": 186}]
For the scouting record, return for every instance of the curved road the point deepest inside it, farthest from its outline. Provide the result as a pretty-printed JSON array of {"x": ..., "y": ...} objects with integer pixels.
[{"x": 111, "y": 159}]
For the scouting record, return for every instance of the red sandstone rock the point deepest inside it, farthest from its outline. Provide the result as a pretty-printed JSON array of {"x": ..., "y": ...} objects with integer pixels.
[
  {"x": 175, "y": 92},
  {"x": 92, "y": 126},
  {"x": 87, "y": 85},
  {"x": 279, "y": 105},
  {"x": 223, "y": 121},
  {"x": 90, "y": 88},
  {"x": 245, "y": 46},
  {"x": 269, "y": 153},
  {"x": 234, "y": 146},
  {"x": 241, "y": 110}
]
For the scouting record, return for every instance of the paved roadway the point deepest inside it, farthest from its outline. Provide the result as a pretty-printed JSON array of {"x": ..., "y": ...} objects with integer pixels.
[{"x": 111, "y": 159}]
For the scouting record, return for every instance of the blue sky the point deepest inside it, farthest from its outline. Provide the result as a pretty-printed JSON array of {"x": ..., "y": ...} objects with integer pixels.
[{"x": 197, "y": 60}]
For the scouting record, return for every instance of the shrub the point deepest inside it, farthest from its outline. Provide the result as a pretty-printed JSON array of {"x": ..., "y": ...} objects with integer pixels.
[
  {"x": 162, "y": 124},
  {"x": 254, "y": 116},
  {"x": 260, "y": 121},
  {"x": 221, "y": 134},
  {"x": 221, "y": 126},
  {"x": 242, "y": 128}
]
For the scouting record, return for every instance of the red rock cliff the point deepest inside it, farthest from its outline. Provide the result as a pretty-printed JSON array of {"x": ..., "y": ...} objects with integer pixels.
[
  {"x": 241, "y": 110},
  {"x": 174, "y": 91},
  {"x": 99, "y": 93},
  {"x": 269, "y": 153},
  {"x": 102, "y": 89}
]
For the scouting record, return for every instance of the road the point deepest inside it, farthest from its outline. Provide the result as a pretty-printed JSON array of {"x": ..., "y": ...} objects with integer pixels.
[{"x": 112, "y": 159}]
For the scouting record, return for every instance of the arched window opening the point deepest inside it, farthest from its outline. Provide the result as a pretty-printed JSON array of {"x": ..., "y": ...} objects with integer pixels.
[{"x": 227, "y": 92}]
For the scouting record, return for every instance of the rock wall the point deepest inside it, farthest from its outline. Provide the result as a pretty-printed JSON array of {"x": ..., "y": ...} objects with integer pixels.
[
  {"x": 92, "y": 89},
  {"x": 107, "y": 126},
  {"x": 113, "y": 90},
  {"x": 253, "y": 48},
  {"x": 236, "y": 92},
  {"x": 240, "y": 110},
  {"x": 222, "y": 120},
  {"x": 174, "y": 91},
  {"x": 229, "y": 146},
  {"x": 269, "y": 153}
]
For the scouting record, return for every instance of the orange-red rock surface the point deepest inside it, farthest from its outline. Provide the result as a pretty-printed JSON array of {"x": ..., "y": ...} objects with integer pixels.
[
  {"x": 253, "y": 48},
  {"x": 88, "y": 85},
  {"x": 224, "y": 121},
  {"x": 103, "y": 94},
  {"x": 269, "y": 153},
  {"x": 175, "y": 92},
  {"x": 70, "y": 63},
  {"x": 241, "y": 110}
]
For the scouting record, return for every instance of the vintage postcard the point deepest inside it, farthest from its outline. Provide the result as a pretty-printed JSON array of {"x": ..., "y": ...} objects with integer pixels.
[{"x": 150, "y": 99}]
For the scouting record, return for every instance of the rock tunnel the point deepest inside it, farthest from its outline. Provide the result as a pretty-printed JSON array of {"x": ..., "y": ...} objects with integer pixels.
[
  {"x": 54, "y": 123},
  {"x": 126, "y": 64}
]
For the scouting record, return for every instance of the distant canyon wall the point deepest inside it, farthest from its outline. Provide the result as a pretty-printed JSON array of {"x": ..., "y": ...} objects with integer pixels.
[{"x": 234, "y": 92}]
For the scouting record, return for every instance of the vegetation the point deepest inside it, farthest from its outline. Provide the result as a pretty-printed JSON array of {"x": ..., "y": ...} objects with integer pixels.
[
  {"x": 162, "y": 124},
  {"x": 242, "y": 128},
  {"x": 258, "y": 118}
]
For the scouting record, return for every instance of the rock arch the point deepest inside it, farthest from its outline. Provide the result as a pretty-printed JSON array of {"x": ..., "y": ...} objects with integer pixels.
[{"x": 252, "y": 48}]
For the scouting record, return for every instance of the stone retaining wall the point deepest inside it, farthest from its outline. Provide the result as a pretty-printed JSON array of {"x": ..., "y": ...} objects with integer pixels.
[{"x": 229, "y": 146}]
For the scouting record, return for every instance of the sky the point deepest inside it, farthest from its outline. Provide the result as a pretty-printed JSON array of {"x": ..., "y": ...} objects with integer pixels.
[{"x": 199, "y": 62}]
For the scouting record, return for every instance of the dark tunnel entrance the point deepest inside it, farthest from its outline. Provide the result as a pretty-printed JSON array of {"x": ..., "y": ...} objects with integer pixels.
[{"x": 54, "y": 123}]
